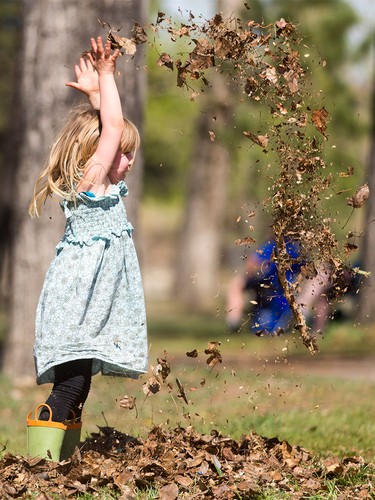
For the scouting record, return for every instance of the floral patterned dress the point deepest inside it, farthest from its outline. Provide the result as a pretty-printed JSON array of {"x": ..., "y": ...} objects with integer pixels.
[{"x": 92, "y": 303}]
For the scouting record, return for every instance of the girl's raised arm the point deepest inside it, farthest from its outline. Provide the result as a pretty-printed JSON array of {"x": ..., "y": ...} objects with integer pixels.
[{"x": 112, "y": 122}]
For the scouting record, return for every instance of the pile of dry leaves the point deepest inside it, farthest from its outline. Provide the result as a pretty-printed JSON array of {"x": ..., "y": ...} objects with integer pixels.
[{"x": 180, "y": 463}]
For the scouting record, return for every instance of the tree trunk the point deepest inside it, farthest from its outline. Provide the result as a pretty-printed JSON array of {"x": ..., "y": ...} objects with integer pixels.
[
  {"x": 198, "y": 260},
  {"x": 367, "y": 293},
  {"x": 55, "y": 33},
  {"x": 200, "y": 244}
]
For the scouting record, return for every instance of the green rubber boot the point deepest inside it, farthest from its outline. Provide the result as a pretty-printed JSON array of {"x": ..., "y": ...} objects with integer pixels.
[
  {"x": 71, "y": 439},
  {"x": 44, "y": 437}
]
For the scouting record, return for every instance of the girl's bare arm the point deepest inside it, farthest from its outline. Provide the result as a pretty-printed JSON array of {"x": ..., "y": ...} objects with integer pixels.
[{"x": 96, "y": 174}]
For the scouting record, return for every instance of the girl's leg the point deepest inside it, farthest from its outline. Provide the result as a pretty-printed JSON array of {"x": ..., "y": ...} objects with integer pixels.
[{"x": 70, "y": 390}]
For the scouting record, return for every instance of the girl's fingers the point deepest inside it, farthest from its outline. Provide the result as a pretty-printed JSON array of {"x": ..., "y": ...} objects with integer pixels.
[
  {"x": 77, "y": 70},
  {"x": 89, "y": 64},
  {"x": 115, "y": 54},
  {"x": 99, "y": 51},
  {"x": 107, "y": 49},
  {"x": 91, "y": 57},
  {"x": 73, "y": 84},
  {"x": 99, "y": 46},
  {"x": 82, "y": 63},
  {"x": 93, "y": 45}
]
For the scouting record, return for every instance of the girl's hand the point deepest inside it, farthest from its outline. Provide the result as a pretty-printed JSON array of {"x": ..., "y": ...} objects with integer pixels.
[
  {"x": 112, "y": 121},
  {"x": 105, "y": 62},
  {"x": 87, "y": 80}
]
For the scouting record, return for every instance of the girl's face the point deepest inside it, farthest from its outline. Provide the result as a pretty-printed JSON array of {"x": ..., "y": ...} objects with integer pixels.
[{"x": 122, "y": 164}]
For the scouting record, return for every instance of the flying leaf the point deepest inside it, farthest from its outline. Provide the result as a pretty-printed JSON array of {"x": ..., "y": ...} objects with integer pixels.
[
  {"x": 160, "y": 18},
  {"x": 261, "y": 140},
  {"x": 251, "y": 85},
  {"x": 319, "y": 119},
  {"x": 192, "y": 354},
  {"x": 122, "y": 43},
  {"x": 165, "y": 60},
  {"x": 281, "y": 24},
  {"x": 350, "y": 247},
  {"x": 248, "y": 240},
  {"x": 139, "y": 34},
  {"x": 349, "y": 172},
  {"x": 152, "y": 386},
  {"x": 163, "y": 368},
  {"x": 181, "y": 393},
  {"x": 214, "y": 354},
  {"x": 211, "y": 346},
  {"x": 360, "y": 196},
  {"x": 270, "y": 75},
  {"x": 128, "y": 402},
  {"x": 212, "y": 135},
  {"x": 119, "y": 42}
]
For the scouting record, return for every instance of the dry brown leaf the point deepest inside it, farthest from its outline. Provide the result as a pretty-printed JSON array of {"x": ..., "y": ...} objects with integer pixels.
[
  {"x": 333, "y": 466},
  {"x": 192, "y": 354},
  {"x": 281, "y": 24},
  {"x": 212, "y": 135},
  {"x": 214, "y": 357},
  {"x": 139, "y": 34},
  {"x": 349, "y": 172},
  {"x": 152, "y": 386},
  {"x": 319, "y": 119},
  {"x": 122, "y": 43},
  {"x": 270, "y": 75},
  {"x": 165, "y": 60},
  {"x": 160, "y": 17},
  {"x": 182, "y": 459},
  {"x": 251, "y": 85},
  {"x": 248, "y": 240},
  {"x": 181, "y": 390},
  {"x": 168, "y": 492},
  {"x": 350, "y": 247},
  {"x": 184, "y": 481},
  {"x": 162, "y": 368},
  {"x": 360, "y": 197},
  {"x": 128, "y": 402},
  {"x": 261, "y": 140}
]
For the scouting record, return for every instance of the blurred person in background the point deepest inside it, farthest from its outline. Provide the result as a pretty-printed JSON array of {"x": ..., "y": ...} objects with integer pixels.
[{"x": 255, "y": 297}]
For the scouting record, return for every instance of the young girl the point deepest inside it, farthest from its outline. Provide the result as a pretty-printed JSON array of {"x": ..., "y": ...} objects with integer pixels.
[{"x": 91, "y": 315}]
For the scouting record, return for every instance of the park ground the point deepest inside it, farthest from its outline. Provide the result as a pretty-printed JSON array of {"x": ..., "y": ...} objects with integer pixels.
[{"x": 307, "y": 422}]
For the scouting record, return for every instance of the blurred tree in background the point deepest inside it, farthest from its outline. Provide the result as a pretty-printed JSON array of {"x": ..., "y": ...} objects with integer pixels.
[{"x": 367, "y": 295}]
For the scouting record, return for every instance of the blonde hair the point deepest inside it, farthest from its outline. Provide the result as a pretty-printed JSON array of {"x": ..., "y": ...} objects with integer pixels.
[{"x": 73, "y": 146}]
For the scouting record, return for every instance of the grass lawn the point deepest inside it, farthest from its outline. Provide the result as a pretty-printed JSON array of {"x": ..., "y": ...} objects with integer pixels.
[{"x": 265, "y": 385}]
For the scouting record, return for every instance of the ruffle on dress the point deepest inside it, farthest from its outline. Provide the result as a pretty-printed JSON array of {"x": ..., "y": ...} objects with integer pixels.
[{"x": 92, "y": 218}]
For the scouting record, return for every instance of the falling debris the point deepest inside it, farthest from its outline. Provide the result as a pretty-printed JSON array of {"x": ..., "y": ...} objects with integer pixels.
[
  {"x": 214, "y": 355},
  {"x": 360, "y": 197}
]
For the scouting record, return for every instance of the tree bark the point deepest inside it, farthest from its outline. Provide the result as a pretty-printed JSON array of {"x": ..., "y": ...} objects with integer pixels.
[
  {"x": 200, "y": 243},
  {"x": 198, "y": 260},
  {"x": 367, "y": 293},
  {"x": 55, "y": 33}
]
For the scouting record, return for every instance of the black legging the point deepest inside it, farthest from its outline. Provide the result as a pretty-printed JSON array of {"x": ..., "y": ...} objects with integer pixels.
[{"x": 70, "y": 390}]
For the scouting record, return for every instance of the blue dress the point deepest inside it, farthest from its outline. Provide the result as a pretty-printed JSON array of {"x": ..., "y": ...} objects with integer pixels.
[{"x": 92, "y": 303}]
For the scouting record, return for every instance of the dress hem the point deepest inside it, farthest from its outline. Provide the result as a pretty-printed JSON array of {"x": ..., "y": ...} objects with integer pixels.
[{"x": 100, "y": 365}]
